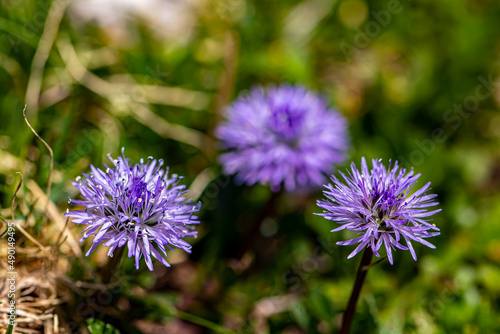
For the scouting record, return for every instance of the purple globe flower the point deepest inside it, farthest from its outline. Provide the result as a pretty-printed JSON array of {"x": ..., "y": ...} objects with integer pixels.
[
  {"x": 140, "y": 206},
  {"x": 283, "y": 136},
  {"x": 380, "y": 205}
]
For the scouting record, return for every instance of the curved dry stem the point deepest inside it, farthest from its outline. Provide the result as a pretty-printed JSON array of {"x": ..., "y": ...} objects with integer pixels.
[
  {"x": 49, "y": 180},
  {"x": 59, "y": 242},
  {"x": 13, "y": 203}
]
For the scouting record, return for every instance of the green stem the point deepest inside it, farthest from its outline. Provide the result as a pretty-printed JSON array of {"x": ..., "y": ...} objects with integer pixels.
[
  {"x": 110, "y": 267},
  {"x": 202, "y": 322},
  {"x": 10, "y": 329},
  {"x": 252, "y": 235}
]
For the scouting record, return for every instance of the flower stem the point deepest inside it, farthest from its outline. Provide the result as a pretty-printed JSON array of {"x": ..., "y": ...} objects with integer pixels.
[
  {"x": 364, "y": 265},
  {"x": 109, "y": 268},
  {"x": 268, "y": 210}
]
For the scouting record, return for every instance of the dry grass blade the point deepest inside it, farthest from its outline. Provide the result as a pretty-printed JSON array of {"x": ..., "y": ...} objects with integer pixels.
[
  {"x": 56, "y": 216},
  {"x": 54, "y": 17},
  {"x": 35, "y": 303},
  {"x": 49, "y": 180},
  {"x": 114, "y": 93},
  {"x": 267, "y": 307},
  {"x": 228, "y": 76},
  {"x": 200, "y": 183},
  {"x": 168, "y": 130},
  {"x": 19, "y": 227},
  {"x": 56, "y": 324}
]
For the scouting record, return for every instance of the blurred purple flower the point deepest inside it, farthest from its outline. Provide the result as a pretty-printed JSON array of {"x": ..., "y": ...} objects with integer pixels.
[
  {"x": 282, "y": 135},
  {"x": 380, "y": 205},
  {"x": 139, "y": 206}
]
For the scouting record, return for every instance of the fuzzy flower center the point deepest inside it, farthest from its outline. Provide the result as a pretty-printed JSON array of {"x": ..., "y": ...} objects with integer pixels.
[
  {"x": 286, "y": 124},
  {"x": 383, "y": 205},
  {"x": 134, "y": 207}
]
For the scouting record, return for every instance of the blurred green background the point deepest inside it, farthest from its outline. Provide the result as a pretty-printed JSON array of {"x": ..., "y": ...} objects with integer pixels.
[{"x": 417, "y": 80}]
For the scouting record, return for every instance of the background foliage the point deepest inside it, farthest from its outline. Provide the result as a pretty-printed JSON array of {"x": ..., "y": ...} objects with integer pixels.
[{"x": 418, "y": 81}]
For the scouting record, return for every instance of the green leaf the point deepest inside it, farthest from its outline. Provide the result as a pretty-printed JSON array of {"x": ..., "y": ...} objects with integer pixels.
[
  {"x": 301, "y": 315},
  {"x": 10, "y": 329},
  {"x": 99, "y": 327}
]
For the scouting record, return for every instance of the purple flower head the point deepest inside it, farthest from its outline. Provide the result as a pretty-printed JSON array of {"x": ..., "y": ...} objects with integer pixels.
[
  {"x": 380, "y": 205},
  {"x": 283, "y": 135},
  {"x": 140, "y": 206}
]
